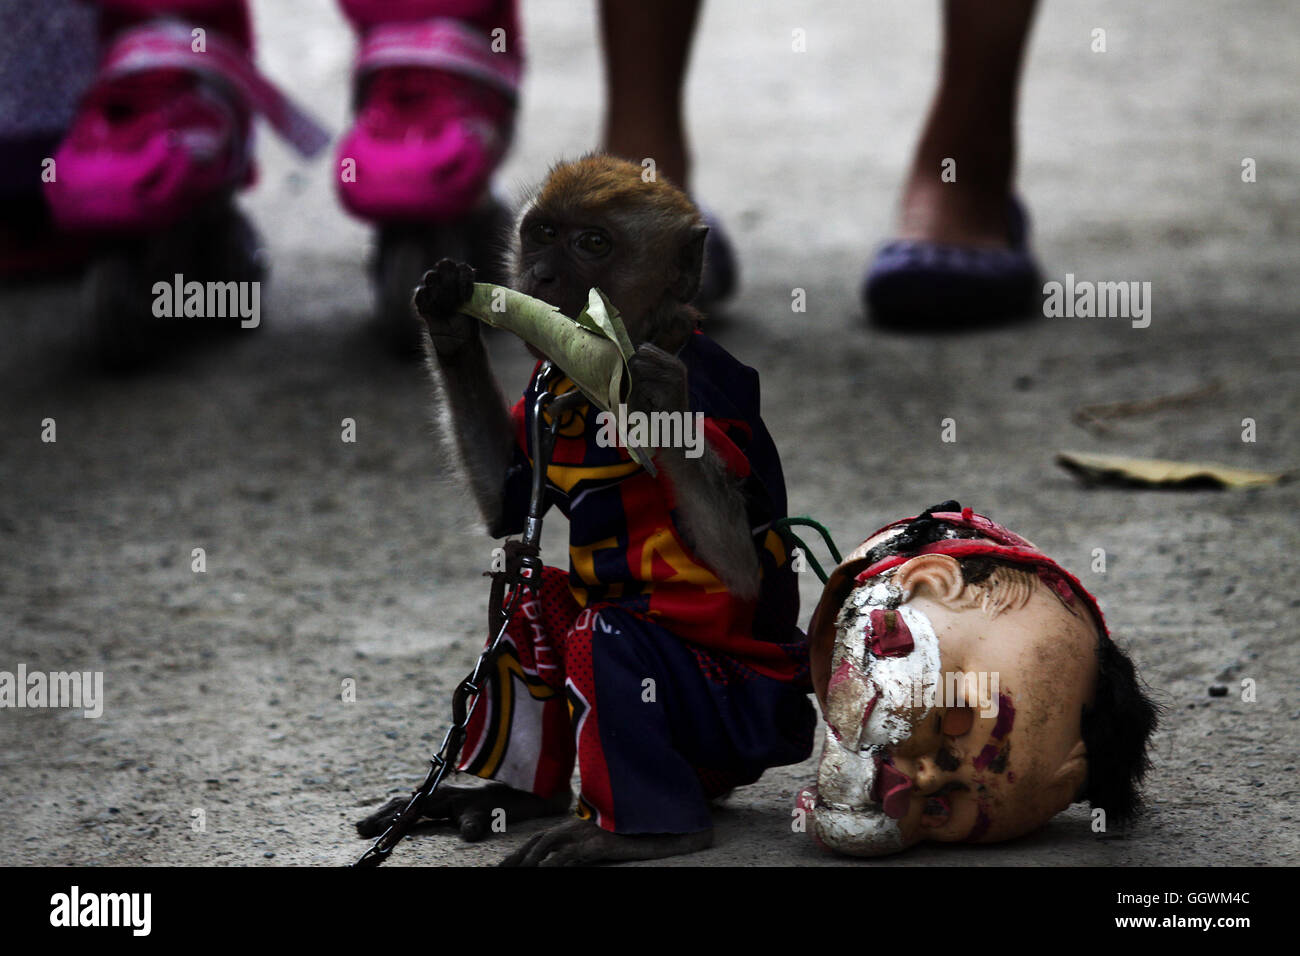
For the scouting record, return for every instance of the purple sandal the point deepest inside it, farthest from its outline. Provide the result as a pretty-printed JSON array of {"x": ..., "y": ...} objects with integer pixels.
[{"x": 919, "y": 285}]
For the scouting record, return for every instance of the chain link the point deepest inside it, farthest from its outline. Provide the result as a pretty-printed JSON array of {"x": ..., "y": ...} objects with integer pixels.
[{"x": 523, "y": 569}]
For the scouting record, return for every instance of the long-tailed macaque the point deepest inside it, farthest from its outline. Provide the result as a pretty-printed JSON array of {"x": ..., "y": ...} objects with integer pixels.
[{"x": 667, "y": 661}]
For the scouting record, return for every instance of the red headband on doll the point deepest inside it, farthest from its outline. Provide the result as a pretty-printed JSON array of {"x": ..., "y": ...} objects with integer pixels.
[
  {"x": 994, "y": 541},
  {"x": 987, "y": 539}
]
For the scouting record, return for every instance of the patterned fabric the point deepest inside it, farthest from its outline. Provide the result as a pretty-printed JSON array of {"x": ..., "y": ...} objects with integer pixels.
[
  {"x": 639, "y": 663},
  {"x": 654, "y": 737},
  {"x": 625, "y": 545}
]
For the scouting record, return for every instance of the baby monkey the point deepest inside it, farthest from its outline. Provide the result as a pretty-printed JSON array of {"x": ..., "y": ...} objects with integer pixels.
[{"x": 666, "y": 661}]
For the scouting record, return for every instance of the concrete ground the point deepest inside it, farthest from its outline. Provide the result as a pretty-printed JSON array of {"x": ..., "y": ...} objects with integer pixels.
[{"x": 328, "y": 561}]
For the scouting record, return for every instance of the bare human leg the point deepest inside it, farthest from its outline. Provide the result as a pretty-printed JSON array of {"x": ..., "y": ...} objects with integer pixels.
[
  {"x": 646, "y": 49},
  {"x": 972, "y": 121}
]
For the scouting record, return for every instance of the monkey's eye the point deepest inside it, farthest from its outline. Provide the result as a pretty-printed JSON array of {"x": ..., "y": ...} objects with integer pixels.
[
  {"x": 594, "y": 243},
  {"x": 541, "y": 233}
]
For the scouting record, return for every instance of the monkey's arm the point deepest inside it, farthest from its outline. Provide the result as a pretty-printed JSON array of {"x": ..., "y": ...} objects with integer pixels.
[
  {"x": 708, "y": 498},
  {"x": 474, "y": 418},
  {"x": 713, "y": 512}
]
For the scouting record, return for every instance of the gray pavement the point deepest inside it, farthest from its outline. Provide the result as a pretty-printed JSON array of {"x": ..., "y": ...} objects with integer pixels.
[{"x": 329, "y": 561}]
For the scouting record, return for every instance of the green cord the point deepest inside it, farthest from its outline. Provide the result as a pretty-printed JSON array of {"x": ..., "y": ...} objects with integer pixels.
[{"x": 782, "y": 527}]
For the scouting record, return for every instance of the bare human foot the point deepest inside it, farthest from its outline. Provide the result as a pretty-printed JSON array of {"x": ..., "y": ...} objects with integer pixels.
[{"x": 973, "y": 209}]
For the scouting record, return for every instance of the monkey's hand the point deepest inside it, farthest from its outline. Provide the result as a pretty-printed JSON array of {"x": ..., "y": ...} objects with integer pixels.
[
  {"x": 658, "y": 381},
  {"x": 471, "y": 810},
  {"x": 438, "y": 298},
  {"x": 580, "y": 842}
]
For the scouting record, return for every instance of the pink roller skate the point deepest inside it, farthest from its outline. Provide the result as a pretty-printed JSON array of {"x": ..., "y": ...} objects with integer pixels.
[
  {"x": 435, "y": 93},
  {"x": 160, "y": 145}
]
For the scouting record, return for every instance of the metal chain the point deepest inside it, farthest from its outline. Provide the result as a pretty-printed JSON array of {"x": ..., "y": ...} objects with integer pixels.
[
  {"x": 469, "y": 690},
  {"x": 523, "y": 569}
]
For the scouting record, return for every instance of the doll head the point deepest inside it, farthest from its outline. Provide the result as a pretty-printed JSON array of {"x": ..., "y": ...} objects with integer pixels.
[{"x": 971, "y": 691}]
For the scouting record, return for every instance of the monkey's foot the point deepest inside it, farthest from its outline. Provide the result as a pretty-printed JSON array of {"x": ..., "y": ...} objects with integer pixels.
[
  {"x": 474, "y": 811},
  {"x": 581, "y": 842}
]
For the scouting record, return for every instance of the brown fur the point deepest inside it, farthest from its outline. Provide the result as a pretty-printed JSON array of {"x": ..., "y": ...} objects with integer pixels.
[
  {"x": 598, "y": 184},
  {"x": 650, "y": 270},
  {"x": 658, "y": 242}
]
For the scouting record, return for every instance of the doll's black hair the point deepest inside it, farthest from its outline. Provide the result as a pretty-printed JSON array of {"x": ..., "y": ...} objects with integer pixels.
[
  {"x": 923, "y": 530},
  {"x": 1117, "y": 728}
]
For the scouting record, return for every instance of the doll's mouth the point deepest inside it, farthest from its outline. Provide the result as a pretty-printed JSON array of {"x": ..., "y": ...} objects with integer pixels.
[{"x": 892, "y": 790}]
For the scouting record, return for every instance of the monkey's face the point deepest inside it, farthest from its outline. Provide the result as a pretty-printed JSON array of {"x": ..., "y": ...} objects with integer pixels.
[
  {"x": 561, "y": 259},
  {"x": 599, "y": 222}
]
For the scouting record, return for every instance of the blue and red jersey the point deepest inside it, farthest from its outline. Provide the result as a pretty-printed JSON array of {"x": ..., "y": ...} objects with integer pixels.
[{"x": 626, "y": 546}]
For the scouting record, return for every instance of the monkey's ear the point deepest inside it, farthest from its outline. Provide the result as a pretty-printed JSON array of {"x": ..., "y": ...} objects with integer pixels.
[{"x": 690, "y": 264}]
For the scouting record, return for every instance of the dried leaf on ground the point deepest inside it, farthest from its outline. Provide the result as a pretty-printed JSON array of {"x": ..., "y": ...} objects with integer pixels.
[{"x": 1157, "y": 473}]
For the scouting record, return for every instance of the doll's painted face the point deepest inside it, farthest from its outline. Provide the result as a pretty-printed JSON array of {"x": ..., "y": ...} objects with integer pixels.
[{"x": 953, "y": 707}]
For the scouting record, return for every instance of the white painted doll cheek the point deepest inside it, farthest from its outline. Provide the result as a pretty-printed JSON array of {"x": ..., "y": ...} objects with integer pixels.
[
  {"x": 905, "y": 684},
  {"x": 874, "y": 701}
]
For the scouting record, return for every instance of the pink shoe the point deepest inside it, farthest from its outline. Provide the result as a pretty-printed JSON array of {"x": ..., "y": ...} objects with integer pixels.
[
  {"x": 436, "y": 87},
  {"x": 436, "y": 108},
  {"x": 159, "y": 146},
  {"x": 165, "y": 128}
]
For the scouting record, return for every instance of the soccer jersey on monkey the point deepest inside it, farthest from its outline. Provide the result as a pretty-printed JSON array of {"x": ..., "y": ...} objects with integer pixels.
[{"x": 625, "y": 544}]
